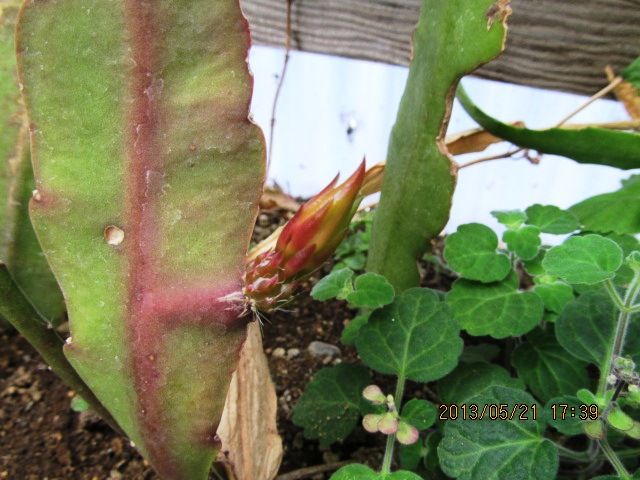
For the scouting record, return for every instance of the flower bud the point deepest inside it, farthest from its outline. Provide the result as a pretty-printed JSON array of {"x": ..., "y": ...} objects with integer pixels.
[
  {"x": 633, "y": 260},
  {"x": 314, "y": 232},
  {"x": 407, "y": 434},
  {"x": 371, "y": 421},
  {"x": 388, "y": 424},
  {"x": 634, "y": 394},
  {"x": 304, "y": 244},
  {"x": 374, "y": 395}
]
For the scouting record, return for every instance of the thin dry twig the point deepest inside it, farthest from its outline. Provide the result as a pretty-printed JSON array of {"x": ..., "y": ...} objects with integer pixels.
[
  {"x": 310, "y": 471},
  {"x": 499, "y": 156},
  {"x": 287, "y": 50},
  {"x": 612, "y": 85}
]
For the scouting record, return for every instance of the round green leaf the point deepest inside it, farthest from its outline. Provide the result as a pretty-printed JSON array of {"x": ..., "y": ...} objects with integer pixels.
[
  {"x": 534, "y": 266},
  {"x": 498, "y": 449},
  {"x": 547, "y": 369},
  {"x": 496, "y": 309},
  {"x": 551, "y": 219},
  {"x": 471, "y": 252},
  {"x": 567, "y": 414},
  {"x": 355, "y": 472},
  {"x": 352, "y": 329},
  {"x": 467, "y": 380},
  {"x": 410, "y": 455},
  {"x": 371, "y": 291},
  {"x": 589, "y": 259},
  {"x": 329, "y": 408},
  {"x": 617, "y": 212},
  {"x": 620, "y": 420},
  {"x": 415, "y": 337},
  {"x": 555, "y": 296},
  {"x": 524, "y": 242},
  {"x": 586, "y": 328},
  {"x": 628, "y": 244},
  {"x": 335, "y": 285},
  {"x": 512, "y": 219},
  {"x": 362, "y": 472},
  {"x": 419, "y": 413}
]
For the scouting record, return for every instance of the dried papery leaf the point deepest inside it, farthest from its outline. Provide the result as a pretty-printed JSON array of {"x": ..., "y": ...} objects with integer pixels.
[
  {"x": 251, "y": 446},
  {"x": 627, "y": 93},
  {"x": 471, "y": 141},
  {"x": 372, "y": 180},
  {"x": 275, "y": 198}
]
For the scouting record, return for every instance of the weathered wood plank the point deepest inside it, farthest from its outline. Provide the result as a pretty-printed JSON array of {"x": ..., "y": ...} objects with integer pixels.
[{"x": 557, "y": 44}]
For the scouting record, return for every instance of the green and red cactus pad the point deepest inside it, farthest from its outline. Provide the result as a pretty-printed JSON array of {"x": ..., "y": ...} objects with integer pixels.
[{"x": 148, "y": 174}]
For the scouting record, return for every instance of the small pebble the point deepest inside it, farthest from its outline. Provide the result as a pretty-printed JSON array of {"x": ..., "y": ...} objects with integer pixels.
[
  {"x": 322, "y": 349},
  {"x": 264, "y": 220},
  {"x": 293, "y": 352},
  {"x": 278, "y": 352}
]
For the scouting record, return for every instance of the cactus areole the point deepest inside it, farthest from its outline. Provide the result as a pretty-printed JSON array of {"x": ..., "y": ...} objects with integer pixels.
[{"x": 148, "y": 174}]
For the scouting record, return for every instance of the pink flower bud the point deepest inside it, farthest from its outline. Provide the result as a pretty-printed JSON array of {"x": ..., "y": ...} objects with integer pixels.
[
  {"x": 374, "y": 395},
  {"x": 407, "y": 434},
  {"x": 388, "y": 424}
]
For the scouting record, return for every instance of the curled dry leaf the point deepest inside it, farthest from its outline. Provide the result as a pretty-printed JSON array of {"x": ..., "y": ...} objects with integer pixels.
[
  {"x": 627, "y": 94},
  {"x": 474, "y": 140},
  {"x": 275, "y": 198},
  {"x": 248, "y": 422}
]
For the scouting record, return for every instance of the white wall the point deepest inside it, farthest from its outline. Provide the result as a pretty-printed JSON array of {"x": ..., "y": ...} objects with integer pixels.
[{"x": 323, "y": 95}]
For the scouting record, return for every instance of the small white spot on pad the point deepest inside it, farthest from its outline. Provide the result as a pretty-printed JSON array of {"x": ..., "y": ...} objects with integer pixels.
[{"x": 113, "y": 235}]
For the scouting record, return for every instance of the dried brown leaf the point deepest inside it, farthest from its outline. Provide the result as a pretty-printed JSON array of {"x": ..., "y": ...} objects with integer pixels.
[
  {"x": 274, "y": 198},
  {"x": 627, "y": 94},
  {"x": 251, "y": 446}
]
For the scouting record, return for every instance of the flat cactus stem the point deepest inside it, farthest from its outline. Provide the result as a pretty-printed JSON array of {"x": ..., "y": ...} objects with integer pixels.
[
  {"x": 148, "y": 175},
  {"x": 19, "y": 247}
]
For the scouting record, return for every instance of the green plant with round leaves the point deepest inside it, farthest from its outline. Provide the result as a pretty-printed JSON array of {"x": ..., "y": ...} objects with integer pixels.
[{"x": 471, "y": 252}]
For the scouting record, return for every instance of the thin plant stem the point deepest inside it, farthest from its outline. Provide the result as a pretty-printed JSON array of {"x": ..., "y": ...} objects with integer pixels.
[
  {"x": 613, "y": 293},
  {"x": 391, "y": 439},
  {"x": 276, "y": 98},
  {"x": 614, "y": 83},
  {"x": 574, "y": 455},
  {"x": 499, "y": 156},
  {"x": 311, "y": 471},
  {"x": 615, "y": 461},
  {"x": 621, "y": 331}
]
